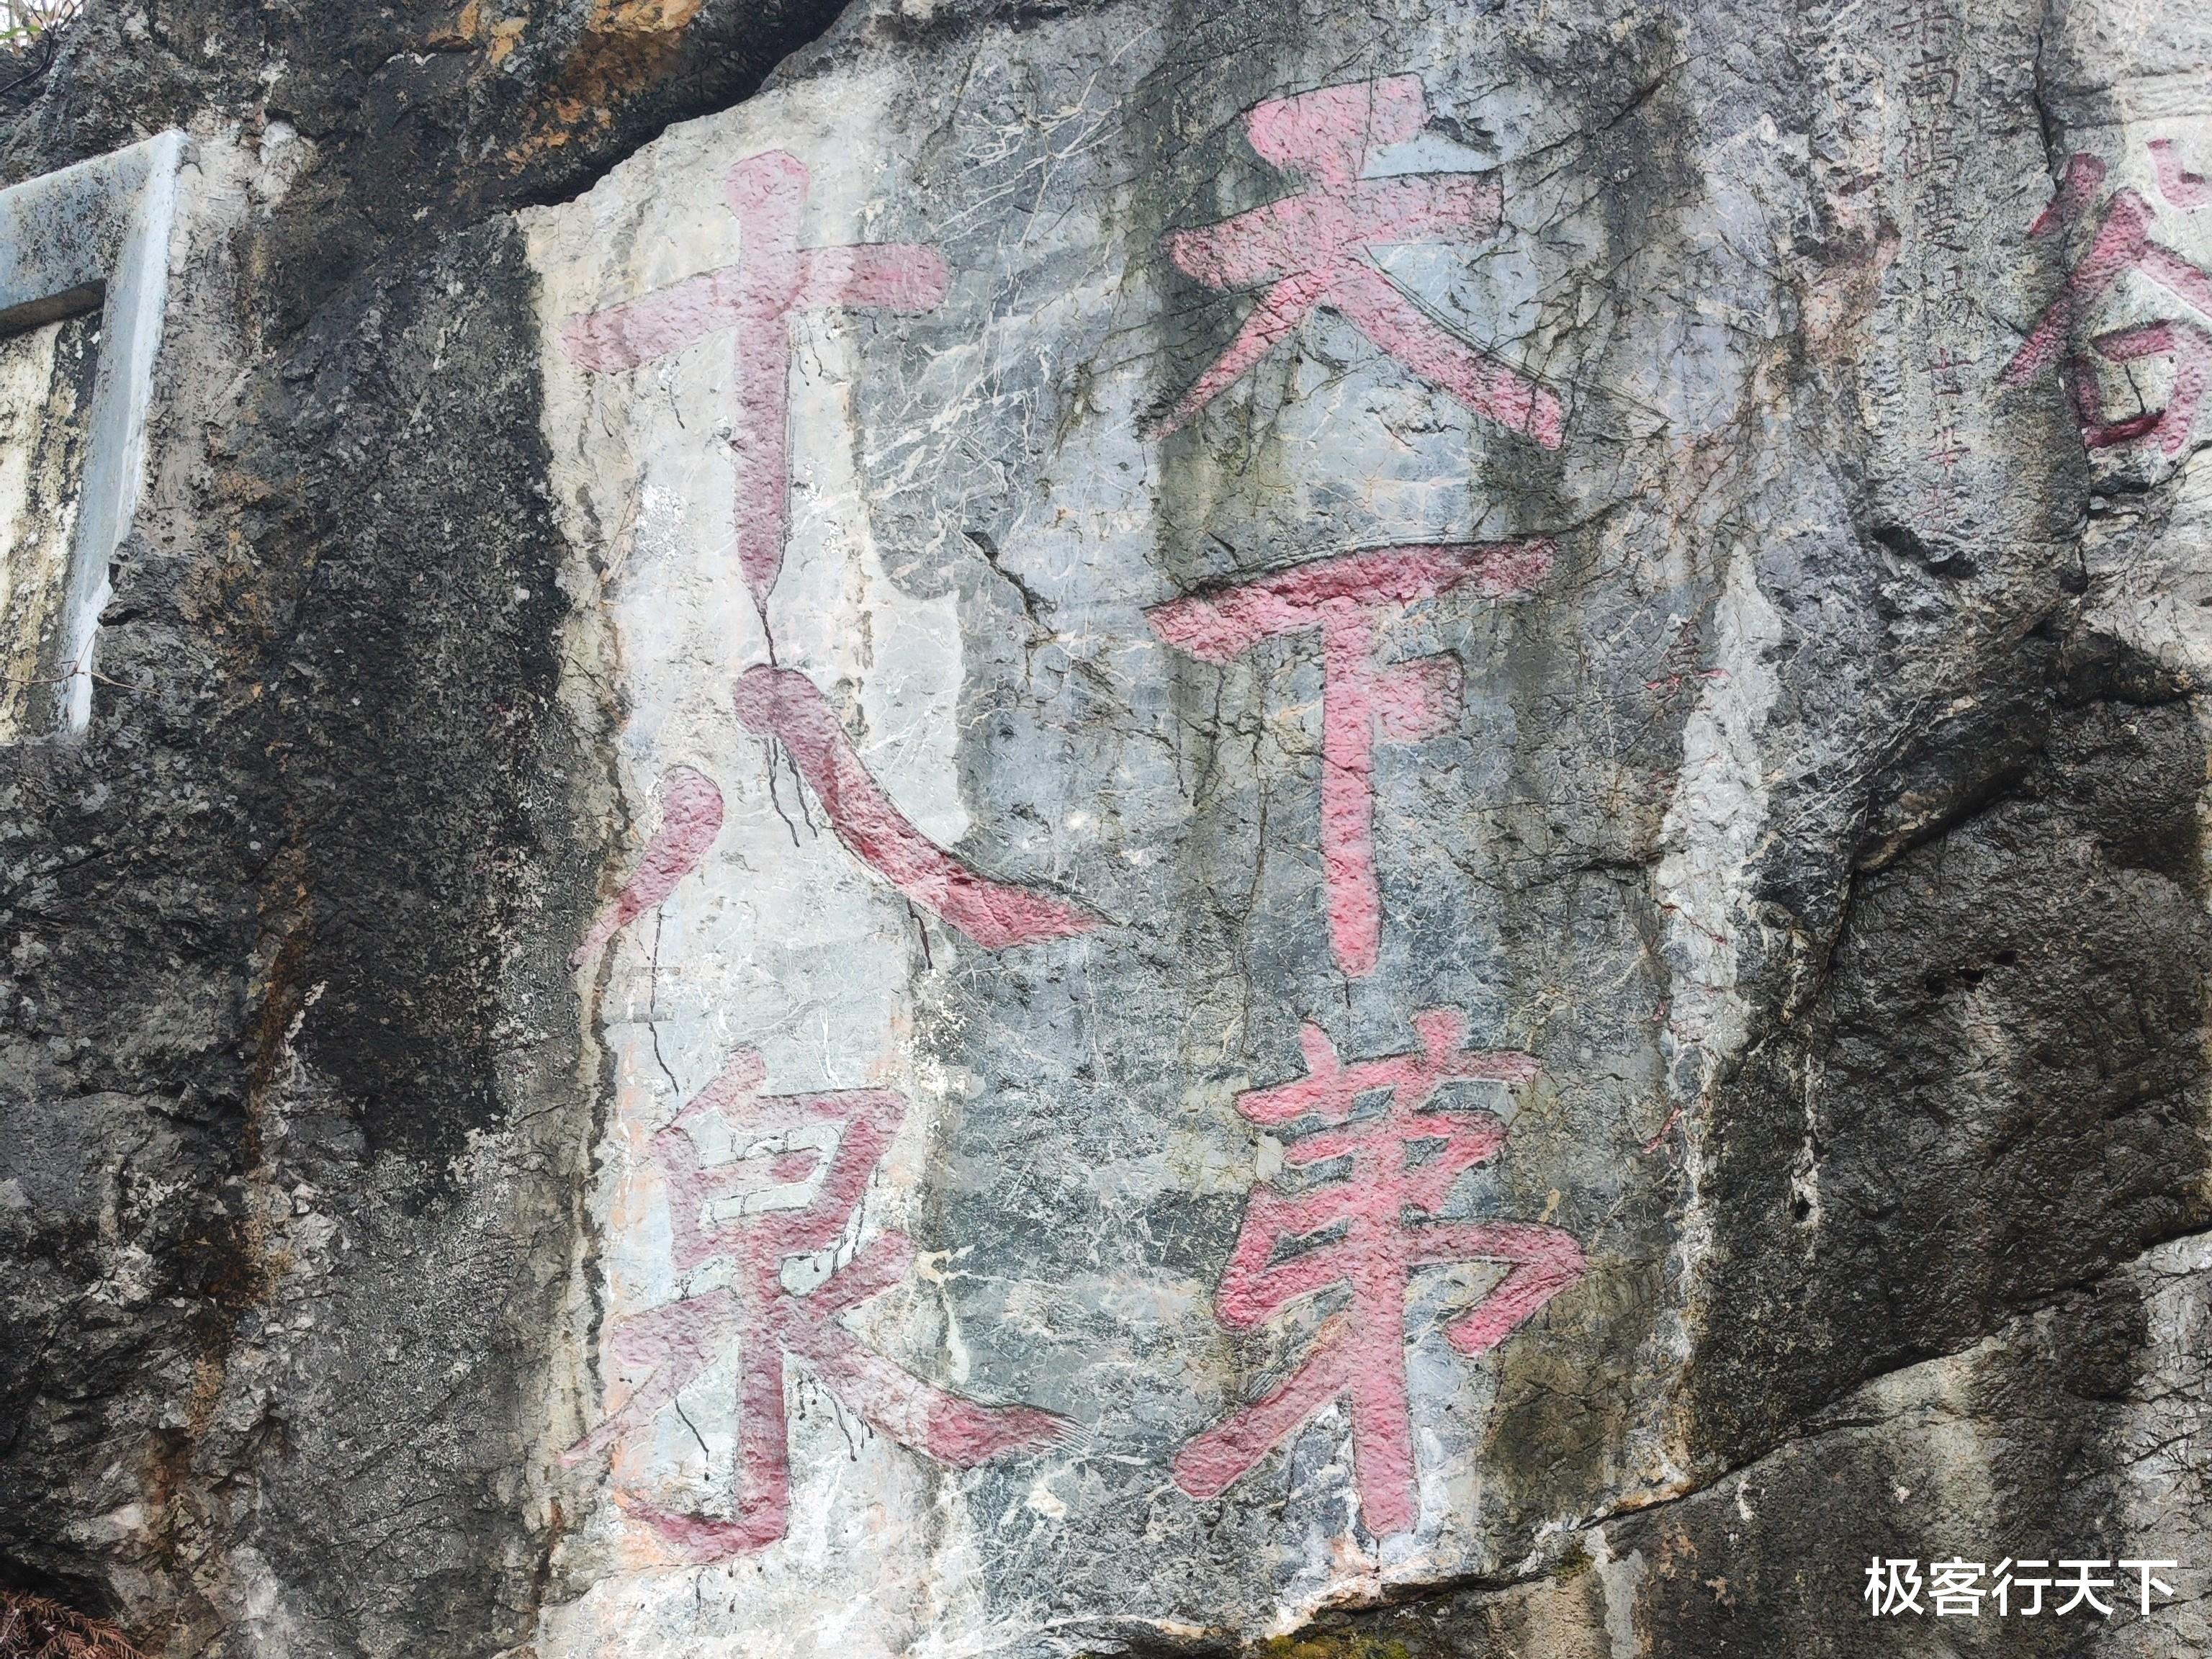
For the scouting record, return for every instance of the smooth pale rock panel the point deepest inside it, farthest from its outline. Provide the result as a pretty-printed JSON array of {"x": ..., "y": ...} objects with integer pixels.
[
  {"x": 1144, "y": 749},
  {"x": 759, "y": 978},
  {"x": 1246, "y": 692}
]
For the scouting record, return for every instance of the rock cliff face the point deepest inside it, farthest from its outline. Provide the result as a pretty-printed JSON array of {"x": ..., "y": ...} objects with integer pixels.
[{"x": 1081, "y": 829}]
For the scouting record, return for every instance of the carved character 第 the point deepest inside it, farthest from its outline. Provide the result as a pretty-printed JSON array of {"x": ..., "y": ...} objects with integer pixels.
[{"x": 1382, "y": 1211}]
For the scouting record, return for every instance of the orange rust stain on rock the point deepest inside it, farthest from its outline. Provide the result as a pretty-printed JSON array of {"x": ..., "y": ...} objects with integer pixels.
[
  {"x": 469, "y": 30},
  {"x": 629, "y": 45},
  {"x": 642, "y": 16},
  {"x": 167, "y": 1480},
  {"x": 255, "y": 1258},
  {"x": 506, "y": 36},
  {"x": 465, "y": 30}
]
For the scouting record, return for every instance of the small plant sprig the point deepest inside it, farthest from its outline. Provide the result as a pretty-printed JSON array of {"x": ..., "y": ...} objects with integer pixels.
[
  {"x": 33, "y": 1627},
  {"x": 22, "y": 22}
]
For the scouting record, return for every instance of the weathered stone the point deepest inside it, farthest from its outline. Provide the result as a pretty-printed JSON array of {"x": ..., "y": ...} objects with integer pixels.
[
  {"x": 46, "y": 398},
  {"x": 1124, "y": 829},
  {"x": 90, "y": 238}
]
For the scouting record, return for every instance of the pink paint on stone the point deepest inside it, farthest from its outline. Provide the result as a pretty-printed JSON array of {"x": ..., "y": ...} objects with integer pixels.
[
  {"x": 2189, "y": 345},
  {"x": 2121, "y": 243},
  {"x": 690, "y": 818},
  {"x": 2122, "y": 239},
  {"x": 781, "y": 703},
  {"x": 1383, "y": 1210},
  {"x": 1317, "y": 248},
  {"x": 2075, "y": 191},
  {"x": 2187, "y": 191},
  {"x": 1363, "y": 701},
  {"x": 774, "y": 281},
  {"x": 669, "y": 1347}
]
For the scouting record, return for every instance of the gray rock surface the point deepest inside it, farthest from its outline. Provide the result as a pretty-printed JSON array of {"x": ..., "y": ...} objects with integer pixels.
[{"x": 775, "y": 938}]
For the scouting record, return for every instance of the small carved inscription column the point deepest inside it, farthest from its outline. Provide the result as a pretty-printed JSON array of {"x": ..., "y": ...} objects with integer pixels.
[
  {"x": 46, "y": 407},
  {"x": 84, "y": 268}
]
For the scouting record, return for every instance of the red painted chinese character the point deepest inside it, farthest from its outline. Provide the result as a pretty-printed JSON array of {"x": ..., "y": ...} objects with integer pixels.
[
  {"x": 1385, "y": 1205},
  {"x": 753, "y": 1213},
  {"x": 690, "y": 818},
  {"x": 2185, "y": 190},
  {"x": 2188, "y": 345},
  {"x": 785, "y": 705},
  {"x": 1362, "y": 699},
  {"x": 1315, "y": 248},
  {"x": 774, "y": 280},
  {"x": 2123, "y": 243}
]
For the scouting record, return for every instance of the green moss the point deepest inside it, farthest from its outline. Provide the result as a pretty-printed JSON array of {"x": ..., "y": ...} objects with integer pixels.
[{"x": 1333, "y": 1644}]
